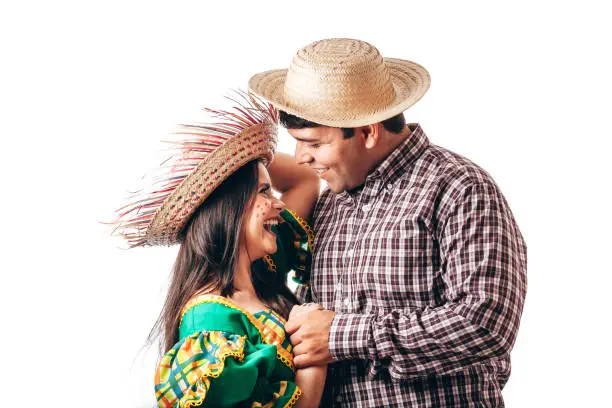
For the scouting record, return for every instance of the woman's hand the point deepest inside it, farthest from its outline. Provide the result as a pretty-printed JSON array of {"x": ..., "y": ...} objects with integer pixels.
[{"x": 311, "y": 380}]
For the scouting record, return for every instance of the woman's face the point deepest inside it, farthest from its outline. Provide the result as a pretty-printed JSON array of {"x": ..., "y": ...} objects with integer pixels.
[{"x": 264, "y": 213}]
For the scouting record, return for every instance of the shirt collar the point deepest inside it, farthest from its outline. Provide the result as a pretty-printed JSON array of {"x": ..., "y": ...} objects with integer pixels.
[
  {"x": 407, "y": 152},
  {"x": 394, "y": 165}
]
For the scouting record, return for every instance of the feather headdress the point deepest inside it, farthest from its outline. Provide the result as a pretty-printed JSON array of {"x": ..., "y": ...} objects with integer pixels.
[{"x": 207, "y": 156}]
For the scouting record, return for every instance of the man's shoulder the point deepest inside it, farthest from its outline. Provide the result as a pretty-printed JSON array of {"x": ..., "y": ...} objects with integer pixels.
[
  {"x": 447, "y": 170},
  {"x": 455, "y": 179}
]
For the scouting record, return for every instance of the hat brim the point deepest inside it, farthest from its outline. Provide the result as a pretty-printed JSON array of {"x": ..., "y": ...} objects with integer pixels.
[
  {"x": 257, "y": 142},
  {"x": 410, "y": 81}
]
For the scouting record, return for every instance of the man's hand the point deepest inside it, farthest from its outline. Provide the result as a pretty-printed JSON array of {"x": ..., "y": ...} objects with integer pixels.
[
  {"x": 310, "y": 337},
  {"x": 299, "y": 310}
]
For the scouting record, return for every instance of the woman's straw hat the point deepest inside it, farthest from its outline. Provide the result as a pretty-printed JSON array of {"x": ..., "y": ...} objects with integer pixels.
[
  {"x": 206, "y": 158},
  {"x": 341, "y": 82}
]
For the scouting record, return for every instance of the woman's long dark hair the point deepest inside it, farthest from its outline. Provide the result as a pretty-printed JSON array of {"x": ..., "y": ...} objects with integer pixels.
[{"x": 208, "y": 254}]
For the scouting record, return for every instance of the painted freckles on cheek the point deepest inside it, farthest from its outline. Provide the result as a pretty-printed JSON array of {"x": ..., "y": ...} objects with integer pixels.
[
  {"x": 261, "y": 210},
  {"x": 266, "y": 207}
]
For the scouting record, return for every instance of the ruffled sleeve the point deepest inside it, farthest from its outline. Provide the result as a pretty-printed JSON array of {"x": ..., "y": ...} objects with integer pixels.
[
  {"x": 295, "y": 240},
  {"x": 219, "y": 368},
  {"x": 185, "y": 372}
]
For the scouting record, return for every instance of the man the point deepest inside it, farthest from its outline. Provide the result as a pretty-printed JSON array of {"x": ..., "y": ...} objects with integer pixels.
[{"x": 418, "y": 263}]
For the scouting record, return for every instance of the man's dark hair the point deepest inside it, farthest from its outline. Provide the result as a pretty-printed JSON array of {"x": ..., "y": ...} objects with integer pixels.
[{"x": 395, "y": 124}]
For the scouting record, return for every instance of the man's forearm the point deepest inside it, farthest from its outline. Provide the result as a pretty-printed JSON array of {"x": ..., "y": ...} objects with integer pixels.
[{"x": 422, "y": 342}]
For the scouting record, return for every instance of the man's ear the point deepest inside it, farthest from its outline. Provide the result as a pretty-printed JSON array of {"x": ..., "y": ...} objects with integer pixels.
[{"x": 371, "y": 135}]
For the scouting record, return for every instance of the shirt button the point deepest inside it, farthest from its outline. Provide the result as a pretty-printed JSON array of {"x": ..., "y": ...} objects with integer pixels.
[
  {"x": 347, "y": 302},
  {"x": 389, "y": 187},
  {"x": 339, "y": 398},
  {"x": 365, "y": 208},
  {"x": 339, "y": 287}
]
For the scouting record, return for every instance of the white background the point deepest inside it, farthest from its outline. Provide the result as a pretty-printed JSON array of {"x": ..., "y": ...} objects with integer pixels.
[{"x": 87, "y": 89}]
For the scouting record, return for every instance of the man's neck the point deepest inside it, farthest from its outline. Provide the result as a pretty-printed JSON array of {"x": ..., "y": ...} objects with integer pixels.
[{"x": 390, "y": 142}]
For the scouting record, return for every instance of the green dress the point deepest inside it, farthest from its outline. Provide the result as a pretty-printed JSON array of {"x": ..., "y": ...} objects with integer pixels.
[{"x": 229, "y": 357}]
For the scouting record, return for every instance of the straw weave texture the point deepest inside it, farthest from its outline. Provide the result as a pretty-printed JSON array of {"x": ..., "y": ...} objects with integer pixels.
[
  {"x": 258, "y": 141},
  {"x": 343, "y": 83}
]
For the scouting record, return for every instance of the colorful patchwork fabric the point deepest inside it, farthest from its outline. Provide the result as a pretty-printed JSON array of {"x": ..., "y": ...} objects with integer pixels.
[
  {"x": 227, "y": 356},
  {"x": 273, "y": 329},
  {"x": 295, "y": 240},
  {"x": 183, "y": 375},
  {"x": 274, "y": 326}
]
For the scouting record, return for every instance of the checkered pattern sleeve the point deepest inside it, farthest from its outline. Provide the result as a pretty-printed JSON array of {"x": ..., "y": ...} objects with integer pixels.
[{"x": 484, "y": 271}]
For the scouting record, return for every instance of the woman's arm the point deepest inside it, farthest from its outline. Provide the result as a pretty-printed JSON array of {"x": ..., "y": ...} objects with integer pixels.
[
  {"x": 298, "y": 184},
  {"x": 311, "y": 381}
]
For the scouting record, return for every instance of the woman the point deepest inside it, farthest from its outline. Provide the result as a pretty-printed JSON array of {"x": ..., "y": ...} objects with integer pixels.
[{"x": 222, "y": 324}]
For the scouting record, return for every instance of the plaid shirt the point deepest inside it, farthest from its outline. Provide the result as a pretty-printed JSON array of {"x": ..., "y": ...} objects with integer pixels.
[{"x": 426, "y": 270}]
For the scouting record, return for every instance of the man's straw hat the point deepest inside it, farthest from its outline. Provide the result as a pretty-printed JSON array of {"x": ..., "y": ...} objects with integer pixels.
[
  {"x": 208, "y": 155},
  {"x": 341, "y": 82}
]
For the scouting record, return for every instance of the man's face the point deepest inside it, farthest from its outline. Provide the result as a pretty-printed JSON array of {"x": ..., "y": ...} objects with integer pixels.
[{"x": 341, "y": 162}]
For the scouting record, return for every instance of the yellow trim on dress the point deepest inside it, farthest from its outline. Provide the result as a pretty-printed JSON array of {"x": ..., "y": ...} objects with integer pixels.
[
  {"x": 270, "y": 262},
  {"x": 283, "y": 355},
  {"x": 199, "y": 374},
  {"x": 306, "y": 228},
  {"x": 195, "y": 398},
  {"x": 275, "y": 397},
  {"x": 297, "y": 393}
]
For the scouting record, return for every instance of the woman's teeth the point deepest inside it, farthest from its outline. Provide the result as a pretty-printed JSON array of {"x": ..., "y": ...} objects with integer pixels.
[{"x": 269, "y": 223}]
